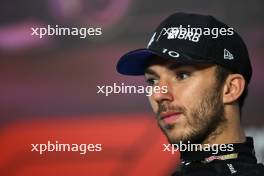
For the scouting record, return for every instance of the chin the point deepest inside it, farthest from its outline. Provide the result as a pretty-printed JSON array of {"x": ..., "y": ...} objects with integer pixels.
[
  {"x": 174, "y": 137},
  {"x": 174, "y": 133}
]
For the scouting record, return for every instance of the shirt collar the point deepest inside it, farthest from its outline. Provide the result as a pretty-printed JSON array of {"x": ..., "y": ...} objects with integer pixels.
[{"x": 242, "y": 151}]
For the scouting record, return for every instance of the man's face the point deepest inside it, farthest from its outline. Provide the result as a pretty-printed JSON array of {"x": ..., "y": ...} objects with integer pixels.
[{"x": 192, "y": 109}]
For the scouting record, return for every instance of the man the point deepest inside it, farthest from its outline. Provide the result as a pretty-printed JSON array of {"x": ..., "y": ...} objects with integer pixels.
[{"x": 205, "y": 67}]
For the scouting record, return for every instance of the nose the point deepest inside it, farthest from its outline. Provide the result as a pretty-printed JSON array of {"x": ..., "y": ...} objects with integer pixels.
[{"x": 165, "y": 93}]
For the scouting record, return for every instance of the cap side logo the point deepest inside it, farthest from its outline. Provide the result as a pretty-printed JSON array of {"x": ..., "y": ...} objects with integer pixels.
[
  {"x": 151, "y": 40},
  {"x": 228, "y": 55}
]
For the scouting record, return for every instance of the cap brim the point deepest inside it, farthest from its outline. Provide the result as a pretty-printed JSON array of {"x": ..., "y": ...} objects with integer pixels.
[{"x": 134, "y": 62}]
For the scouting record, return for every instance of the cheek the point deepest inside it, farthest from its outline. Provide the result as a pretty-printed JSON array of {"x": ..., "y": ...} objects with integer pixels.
[
  {"x": 191, "y": 94},
  {"x": 153, "y": 104}
]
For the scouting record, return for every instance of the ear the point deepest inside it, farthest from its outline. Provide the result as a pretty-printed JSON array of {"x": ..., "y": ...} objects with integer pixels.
[{"x": 233, "y": 88}]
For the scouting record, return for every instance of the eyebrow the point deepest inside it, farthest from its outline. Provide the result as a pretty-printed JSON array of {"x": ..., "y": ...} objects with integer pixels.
[{"x": 151, "y": 72}]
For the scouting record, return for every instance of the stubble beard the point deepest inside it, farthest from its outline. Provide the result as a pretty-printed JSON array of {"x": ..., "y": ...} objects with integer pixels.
[{"x": 205, "y": 120}]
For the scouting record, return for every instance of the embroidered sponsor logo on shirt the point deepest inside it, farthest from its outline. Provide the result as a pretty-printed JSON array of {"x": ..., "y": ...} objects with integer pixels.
[{"x": 231, "y": 168}]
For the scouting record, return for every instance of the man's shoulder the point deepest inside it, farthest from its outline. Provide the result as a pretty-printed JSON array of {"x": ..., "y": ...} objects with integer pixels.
[
  {"x": 241, "y": 169},
  {"x": 251, "y": 169},
  {"x": 222, "y": 169}
]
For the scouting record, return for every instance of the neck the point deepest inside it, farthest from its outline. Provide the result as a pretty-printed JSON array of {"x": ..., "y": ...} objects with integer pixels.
[{"x": 230, "y": 131}]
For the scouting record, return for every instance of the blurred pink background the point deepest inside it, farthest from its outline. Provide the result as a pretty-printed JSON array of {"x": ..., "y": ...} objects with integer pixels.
[{"x": 56, "y": 77}]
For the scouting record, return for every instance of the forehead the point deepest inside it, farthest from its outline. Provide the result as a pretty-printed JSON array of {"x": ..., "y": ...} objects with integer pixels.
[{"x": 167, "y": 63}]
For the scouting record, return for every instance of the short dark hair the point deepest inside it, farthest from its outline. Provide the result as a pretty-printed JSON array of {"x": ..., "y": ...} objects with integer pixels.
[{"x": 221, "y": 75}]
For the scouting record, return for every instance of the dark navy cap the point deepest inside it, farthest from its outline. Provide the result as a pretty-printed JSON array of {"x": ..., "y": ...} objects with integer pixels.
[{"x": 191, "y": 39}]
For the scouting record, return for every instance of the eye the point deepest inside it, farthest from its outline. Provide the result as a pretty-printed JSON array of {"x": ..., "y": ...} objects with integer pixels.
[
  {"x": 151, "y": 81},
  {"x": 182, "y": 75}
]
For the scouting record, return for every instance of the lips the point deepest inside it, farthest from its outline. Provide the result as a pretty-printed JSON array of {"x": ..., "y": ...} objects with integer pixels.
[{"x": 170, "y": 117}]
